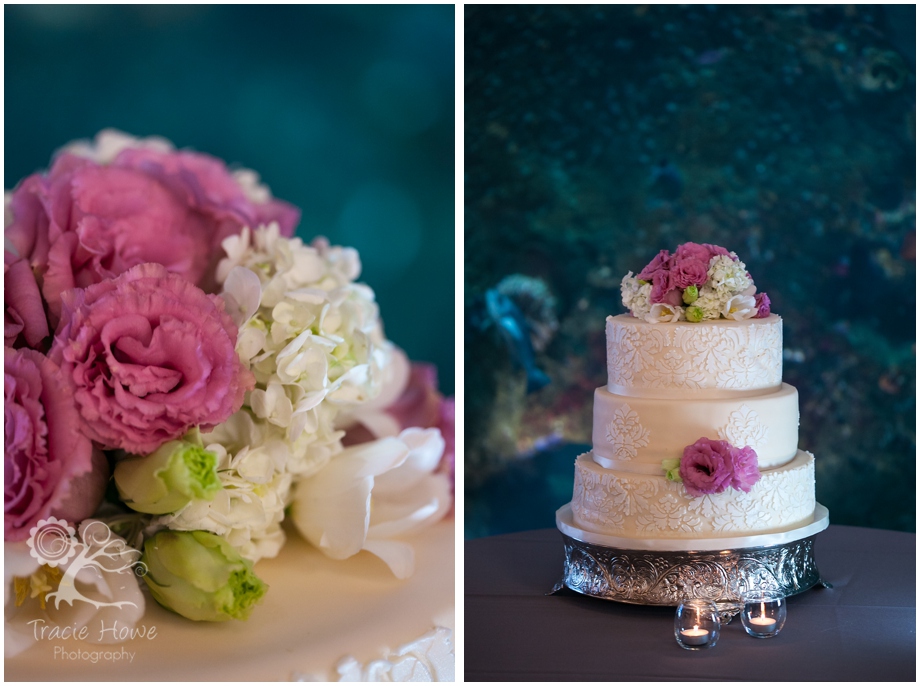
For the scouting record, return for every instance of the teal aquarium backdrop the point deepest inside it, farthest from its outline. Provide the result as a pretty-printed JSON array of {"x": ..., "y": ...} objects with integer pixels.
[
  {"x": 345, "y": 111},
  {"x": 597, "y": 135}
]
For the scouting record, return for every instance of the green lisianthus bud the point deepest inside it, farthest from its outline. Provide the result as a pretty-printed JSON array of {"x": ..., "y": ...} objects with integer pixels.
[
  {"x": 671, "y": 468},
  {"x": 643, "y": 282},
  {"x": 691, "y": 293},
  {"x": 199, "y": 575},
  {"x": 694, "y": 314},
  {"x": 169, "y": 478}
]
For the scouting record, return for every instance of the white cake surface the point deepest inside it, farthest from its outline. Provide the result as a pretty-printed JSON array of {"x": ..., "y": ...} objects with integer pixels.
[
  {"x": 634, "y": 434},
  {"x": 709, "y": 359},
  {"x": 322, "y": 619},
  {"x": 619, "y": 503}
]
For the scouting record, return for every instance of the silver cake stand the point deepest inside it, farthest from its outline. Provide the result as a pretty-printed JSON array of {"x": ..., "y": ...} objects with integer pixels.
[{"x": 665, "y": 572}]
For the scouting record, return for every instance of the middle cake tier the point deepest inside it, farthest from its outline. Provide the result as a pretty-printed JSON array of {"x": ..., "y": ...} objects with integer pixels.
[{"x": 635, "y": 434}]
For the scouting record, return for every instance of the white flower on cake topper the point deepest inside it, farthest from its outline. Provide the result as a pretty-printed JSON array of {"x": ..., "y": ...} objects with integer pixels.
[
  {"x": 663, "y": 312},
  {"x": 740, "y": 307},
  {"x": 372, "y": 493}
]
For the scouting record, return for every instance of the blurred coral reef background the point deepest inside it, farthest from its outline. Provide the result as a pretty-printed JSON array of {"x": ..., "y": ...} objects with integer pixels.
[
  {"x": 346, "y": 111},
  {"x": 596, "y": 136}
]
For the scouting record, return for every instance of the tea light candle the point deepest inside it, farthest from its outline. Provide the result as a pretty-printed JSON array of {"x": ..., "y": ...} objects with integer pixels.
[
  {"x": 762, "y": 625},
  {"x": 694, "y": 636}
]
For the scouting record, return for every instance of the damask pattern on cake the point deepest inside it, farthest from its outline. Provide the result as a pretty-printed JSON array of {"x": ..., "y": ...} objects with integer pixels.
[
  {"x": 625, "y": 434},
  {"x": 744, "y": 428},
  {"x": 631, "y": 505},
  {"x": 694, "y": 356}
]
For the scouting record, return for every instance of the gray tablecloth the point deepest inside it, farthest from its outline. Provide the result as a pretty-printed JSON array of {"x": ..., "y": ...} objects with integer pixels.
[{"x": 863, "y": 629}]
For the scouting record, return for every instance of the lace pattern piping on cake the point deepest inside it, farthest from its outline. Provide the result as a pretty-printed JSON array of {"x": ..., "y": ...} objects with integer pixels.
[
  {"x": 626, "y": 434},
  {"x": 744, "y": 428},
  {"x": 427, "y": 658},
  {"x": 694, "y": 356},
  {"x": 650, "y": 506}
]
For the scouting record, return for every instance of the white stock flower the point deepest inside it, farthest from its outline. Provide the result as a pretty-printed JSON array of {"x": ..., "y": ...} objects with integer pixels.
[
  {"x": 740, "y": 307},
  {"x": 663, "y": 312},
  {"x": 102, "y": 573},
  {"x": 371, "y": 494}
]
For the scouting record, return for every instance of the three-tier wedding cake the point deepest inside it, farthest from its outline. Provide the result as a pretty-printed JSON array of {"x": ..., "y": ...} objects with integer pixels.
[{"x": 695, "y": 435}]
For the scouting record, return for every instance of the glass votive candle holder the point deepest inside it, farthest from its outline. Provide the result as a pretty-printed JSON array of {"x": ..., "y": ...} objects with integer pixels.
[
  {"x": 764, "y": 613},
  {"x": 696, "y": 624}
]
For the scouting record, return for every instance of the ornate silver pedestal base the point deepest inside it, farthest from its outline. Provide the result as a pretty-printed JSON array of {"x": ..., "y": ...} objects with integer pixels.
[{"x": 652, "y": 574}]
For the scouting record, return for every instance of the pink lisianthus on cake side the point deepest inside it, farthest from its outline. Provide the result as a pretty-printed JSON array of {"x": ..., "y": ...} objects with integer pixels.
[
  {"x": 50, "y": 467},
  {"x": 24, "y": 320},
  {"x": 148, "y": 355},
  {"x": 709, "y": 466},
  {"x": 706, "y": 467},
  {"x": 745, "y": 472}
]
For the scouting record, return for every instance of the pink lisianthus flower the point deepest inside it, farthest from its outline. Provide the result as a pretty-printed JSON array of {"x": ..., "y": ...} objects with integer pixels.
[
  {"x": 660, "y": 263},
  {"x": 706, "y": 467},
  {"x": 762, "y": 302},
  {"x": 24, "y": 319},
  {"x": 148, "y": 355},
  {"x": 50, "y": 467},
  {"x": 663, "y": 289},
  {"x": 745, "y": 472},
  {"x": 83, "y": 222},
  {"x": 688, "y": 272}
]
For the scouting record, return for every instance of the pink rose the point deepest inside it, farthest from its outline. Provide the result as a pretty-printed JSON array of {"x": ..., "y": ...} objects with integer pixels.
[
  {"x": 706, "y": 467},
  {"x": 762, "y": 302},
  {"x": 83, "y": 222},
  {"x": 50, "y": 467},
  {"x": 745, "y": 472},
  {"x": 687, "y": 272},
  {"x": 24, "y": 322},
  {"x": 660, "y": 263},
  {"x": 148, "y": 355}
]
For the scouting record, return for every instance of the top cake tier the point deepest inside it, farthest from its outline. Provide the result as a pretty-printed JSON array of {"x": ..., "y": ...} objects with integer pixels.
[{"x": 710, "y": 359}]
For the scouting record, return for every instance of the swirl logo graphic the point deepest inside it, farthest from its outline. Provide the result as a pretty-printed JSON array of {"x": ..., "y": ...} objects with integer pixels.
[{"x": 52, "y": 541}]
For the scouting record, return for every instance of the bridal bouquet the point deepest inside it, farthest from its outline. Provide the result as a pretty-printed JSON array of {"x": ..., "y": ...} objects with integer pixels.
[{"x": 181, "y": 375}]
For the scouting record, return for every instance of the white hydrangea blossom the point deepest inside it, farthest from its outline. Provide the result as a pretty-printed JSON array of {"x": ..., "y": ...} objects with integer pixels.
[
  {"x": 728, "y": 276},
  {"x": 636, "y": 296},
  {"x": 710, "y": 301},
  {"x": 313, "y": 339}
]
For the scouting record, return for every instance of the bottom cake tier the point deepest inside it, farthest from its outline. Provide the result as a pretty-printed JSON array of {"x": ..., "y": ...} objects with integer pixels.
[{"x": 618, "y": 503}]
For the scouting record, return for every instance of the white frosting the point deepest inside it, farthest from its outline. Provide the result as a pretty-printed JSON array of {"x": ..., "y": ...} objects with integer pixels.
[
  {"x": 634, "y": 434},
  {"x": 708, "y": 359},
  {"x": 618, "y": 503}
]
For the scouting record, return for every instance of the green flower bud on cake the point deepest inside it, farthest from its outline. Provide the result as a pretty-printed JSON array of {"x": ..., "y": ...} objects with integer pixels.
[
  {"x": 691, "y": 293},
  {"x": 199, "y": 575},
  {"x": 671, "y": 468},
  {"x": 694, "y": 314},
  {"x": 169, "y": 478}
]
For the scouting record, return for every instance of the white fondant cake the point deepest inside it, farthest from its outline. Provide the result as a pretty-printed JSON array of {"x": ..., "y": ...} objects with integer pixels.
[
  {"x": 669, "y": 385},
  {"x": 325, "y": 619}
]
